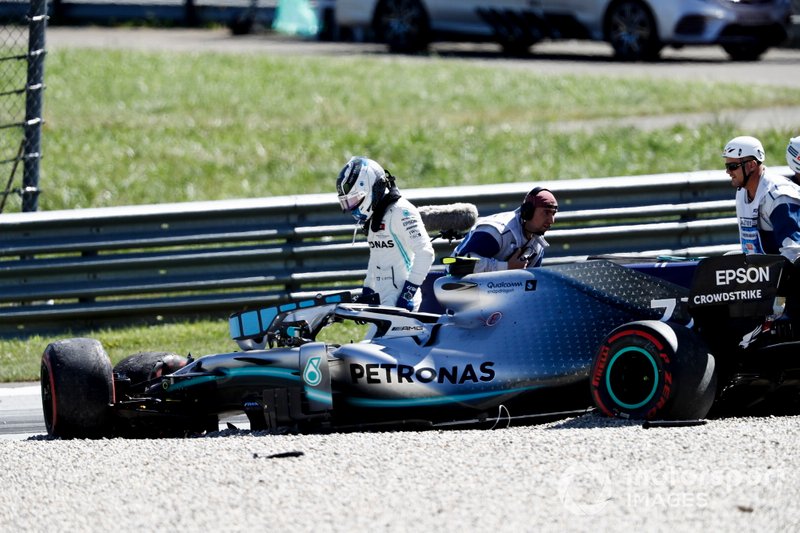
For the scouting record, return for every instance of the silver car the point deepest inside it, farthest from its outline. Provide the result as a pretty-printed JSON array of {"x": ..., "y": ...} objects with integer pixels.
[{"x": 636, "y": 29}]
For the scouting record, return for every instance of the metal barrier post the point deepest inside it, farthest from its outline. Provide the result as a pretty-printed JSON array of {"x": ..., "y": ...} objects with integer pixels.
[{"x": 33, "y": 105}]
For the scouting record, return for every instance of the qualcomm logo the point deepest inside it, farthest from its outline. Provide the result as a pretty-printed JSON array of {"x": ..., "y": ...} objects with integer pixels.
[{"x": 312, "y": 374}]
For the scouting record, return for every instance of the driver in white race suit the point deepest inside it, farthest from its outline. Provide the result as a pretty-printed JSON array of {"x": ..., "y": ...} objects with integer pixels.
[
  {"x": 767, "y": 204},
  {"x": 401, "y": 253}
]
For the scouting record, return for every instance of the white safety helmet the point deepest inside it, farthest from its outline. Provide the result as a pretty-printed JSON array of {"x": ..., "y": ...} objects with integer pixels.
[
  {"x": 744, "y": 146},
  {"x": 361, "y": 185},
  {"x": 793, "y": 154}
]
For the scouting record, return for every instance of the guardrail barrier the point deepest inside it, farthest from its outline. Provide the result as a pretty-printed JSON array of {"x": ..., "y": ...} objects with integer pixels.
[{"x": 106, "y": 266}]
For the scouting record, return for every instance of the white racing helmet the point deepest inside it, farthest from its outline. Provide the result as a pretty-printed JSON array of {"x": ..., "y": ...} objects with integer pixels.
[
  {"x": 793, "y": 154},
  {"x": 744, "y": 146},
  {"x": 360, "y": 186}
]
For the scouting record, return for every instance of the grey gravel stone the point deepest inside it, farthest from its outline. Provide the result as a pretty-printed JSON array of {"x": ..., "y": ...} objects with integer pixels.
[{"x": 583, "y": 474}]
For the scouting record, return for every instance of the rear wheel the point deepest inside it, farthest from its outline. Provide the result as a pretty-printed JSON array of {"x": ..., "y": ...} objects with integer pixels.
[
  {"x": 513, "y": 48},
  {"x": 632, "y": 32},
  {"x": 77, "y": 389},
  {"x": 403, "y": 25},
  {"x": 241, "y": 26},
  {"x": 653, "y": 370}
]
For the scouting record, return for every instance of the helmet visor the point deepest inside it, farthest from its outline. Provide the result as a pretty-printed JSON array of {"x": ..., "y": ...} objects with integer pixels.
[{"x": 351, "y": 200}]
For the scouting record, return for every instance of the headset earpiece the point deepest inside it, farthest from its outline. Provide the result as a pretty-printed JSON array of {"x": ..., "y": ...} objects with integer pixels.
[{"x": 526, "y": 209}]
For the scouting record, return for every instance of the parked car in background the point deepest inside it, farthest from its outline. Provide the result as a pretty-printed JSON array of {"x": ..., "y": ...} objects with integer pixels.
[{"x": 636, "y": 29}]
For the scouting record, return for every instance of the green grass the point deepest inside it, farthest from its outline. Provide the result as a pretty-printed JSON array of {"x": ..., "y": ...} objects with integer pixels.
[
  {"x": 20, "y": 357},
  {"x": 126, "y": 127}
]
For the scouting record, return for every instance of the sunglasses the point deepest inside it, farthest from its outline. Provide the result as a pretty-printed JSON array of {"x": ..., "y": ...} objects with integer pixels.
[{"x": 730, "y": 167}]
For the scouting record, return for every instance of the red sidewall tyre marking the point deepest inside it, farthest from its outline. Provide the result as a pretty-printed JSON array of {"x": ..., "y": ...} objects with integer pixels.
[
  {"x": 638, "y": 332},
  {"x": 50, "y": 378},
  {"x": 604, "y": 356}
]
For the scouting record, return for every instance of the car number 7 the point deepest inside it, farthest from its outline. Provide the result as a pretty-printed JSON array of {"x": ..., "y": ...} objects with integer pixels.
[{"x": 669, "y": 305}]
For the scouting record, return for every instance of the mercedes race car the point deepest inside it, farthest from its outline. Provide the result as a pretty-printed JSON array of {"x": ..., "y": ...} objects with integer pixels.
[{"x": 519, "y": 346}]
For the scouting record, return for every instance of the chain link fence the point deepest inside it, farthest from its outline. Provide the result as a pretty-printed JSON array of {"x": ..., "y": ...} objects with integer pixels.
[{"x": 22, "y": 28}]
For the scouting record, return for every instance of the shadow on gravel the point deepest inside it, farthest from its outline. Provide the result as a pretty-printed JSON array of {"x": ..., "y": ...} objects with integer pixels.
[{"x": 594, "y": 420}]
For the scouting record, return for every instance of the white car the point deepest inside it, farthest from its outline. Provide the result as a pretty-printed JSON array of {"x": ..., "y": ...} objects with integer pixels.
[{"x": 636, "y": 29}]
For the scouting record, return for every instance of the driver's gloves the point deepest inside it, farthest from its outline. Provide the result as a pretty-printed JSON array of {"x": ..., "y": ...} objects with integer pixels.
[{"x": 406, "y": 298}]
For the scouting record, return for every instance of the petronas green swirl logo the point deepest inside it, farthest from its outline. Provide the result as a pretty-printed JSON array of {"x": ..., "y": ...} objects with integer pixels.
[{"x": 312, "y": 374}]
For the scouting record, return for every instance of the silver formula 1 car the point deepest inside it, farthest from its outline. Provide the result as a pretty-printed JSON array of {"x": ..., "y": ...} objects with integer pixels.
[{"x": 517, "y": 346}]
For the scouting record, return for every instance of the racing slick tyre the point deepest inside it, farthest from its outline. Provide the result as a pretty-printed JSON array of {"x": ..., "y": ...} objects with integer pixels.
[
  {"x": 653, "y": 370},
  {"x": 143, "y": 366},
  {"x": 631, "y": 30},
  {"x": 77, "y": 389},
  {"x": 403, "y": 25}
]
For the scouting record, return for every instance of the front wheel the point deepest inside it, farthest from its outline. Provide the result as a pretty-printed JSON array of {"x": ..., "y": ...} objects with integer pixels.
[
  {"x": 653, "y": 370},
  {"x": 403, "y": 25},
  {"x": 632, "y": 32},
  {"x": 77, "y": 389},
  {"x": 745, "y": 52}
]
